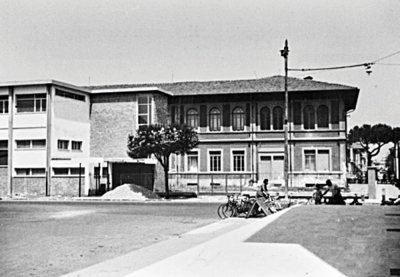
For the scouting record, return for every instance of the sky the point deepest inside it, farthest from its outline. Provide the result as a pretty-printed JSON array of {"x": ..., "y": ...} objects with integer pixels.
[{"x": 95, "y": 42}]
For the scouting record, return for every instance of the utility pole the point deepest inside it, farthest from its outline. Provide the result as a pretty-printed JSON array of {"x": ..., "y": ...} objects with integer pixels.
[{"x": 285, "y": 54}]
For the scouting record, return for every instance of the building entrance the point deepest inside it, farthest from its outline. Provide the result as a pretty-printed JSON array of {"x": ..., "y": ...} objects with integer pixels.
[{"x": 271, "y": 167}]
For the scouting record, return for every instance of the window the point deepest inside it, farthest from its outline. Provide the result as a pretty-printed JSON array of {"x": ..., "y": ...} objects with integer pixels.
[
  {"x": 215, "y": 119},
  {"x": 192, "y": 161},
  {"x": 30, "y": 171},
  {"x": 215, "y": 160},
  {"x": 238, "y": 160},
  {"x": 62, "y": 144},
  {"x": 309, "y": 117},
  {"x": 238, "y": 119},
  {"x": 105, "y": 172},
  {"x": 144, "y": 106},
  {"x": 70, "y": 95},
  {"x": 323, "y": 117},
  {"x": 323, "y": 163},
  {"x": 309, "y": 160},
  {"x": 38, "y": 171},
  {"x": 60, "y": 171},
  {"x": 277, "y": 113},
  {"x": 265, "y": 119},
  {"x": 39, "y": 143},
  {"x": 31, "y": 103},
  {"x": 173, "y": 162},
  {"x": 192, "y": 118},
  {"x": 31, "y": 144},
  {"x": 76, "y": 145},
  {"x": 75, "y": 171},
  {"x": 316, "y": 160},
  {"x": 3, "y": 104},
  {"x": 3, "y": 152}
]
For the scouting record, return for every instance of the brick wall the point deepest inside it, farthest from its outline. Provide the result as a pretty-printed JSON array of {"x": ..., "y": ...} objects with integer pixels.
[
  {"x": 113, "y": 118},
  {"x": 29, "y": 186},
  {"x": 66, "y": 186}
]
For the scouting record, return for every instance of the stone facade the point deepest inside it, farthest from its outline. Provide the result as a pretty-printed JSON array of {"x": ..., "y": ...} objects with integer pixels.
[
  {"x": 34, "y": 186},
  {"x": 3, "y": 180}
]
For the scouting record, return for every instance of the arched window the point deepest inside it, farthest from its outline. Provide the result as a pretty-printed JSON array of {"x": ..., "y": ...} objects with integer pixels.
[
  {"x": 215, "y": 119},
  {"x": 265, "y": 119},
  {"x": 309, "y": 117},
  {"x": 277, "y": 114},
  {"x": 192, "y": 118},
  {"x": 323, "y": 117},
  {"x": 238, "y": 119}
]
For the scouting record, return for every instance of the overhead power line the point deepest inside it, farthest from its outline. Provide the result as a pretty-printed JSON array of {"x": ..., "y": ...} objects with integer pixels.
[{"x": 367, "y": 65}]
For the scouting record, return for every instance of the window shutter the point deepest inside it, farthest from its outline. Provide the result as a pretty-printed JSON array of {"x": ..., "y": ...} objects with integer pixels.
[
  {"x": 335, "y": 112},
  {"x": 226, "y": 115},
  {"x": 173, "y": 111},
  {"x": 203, "y": 116},
  {"x": 247, "y": 115},
  {"x": 297, "y": 113},
  {"x": 182, "y": 115}
]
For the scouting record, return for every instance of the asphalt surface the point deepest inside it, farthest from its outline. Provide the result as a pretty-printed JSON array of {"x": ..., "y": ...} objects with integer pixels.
[{"x": 54, "y": 238}]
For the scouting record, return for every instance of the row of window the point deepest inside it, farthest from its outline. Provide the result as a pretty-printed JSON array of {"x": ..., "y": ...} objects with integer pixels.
[
  {"x": 65, "y": 145},
  {"x": 34, "y": 103},
  {"x": 214, "y": 161},
  {"x": 41, "y": 144},
  {"x": 270, "y": 119},
  {"x": 314, "y": 160},
  {"x": 73, "y": 171}
]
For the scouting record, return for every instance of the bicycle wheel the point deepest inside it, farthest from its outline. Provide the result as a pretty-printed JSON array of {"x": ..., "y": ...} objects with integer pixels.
[
  {"x": 219, "y": 211},
  {"x": 228, "y": 211}
]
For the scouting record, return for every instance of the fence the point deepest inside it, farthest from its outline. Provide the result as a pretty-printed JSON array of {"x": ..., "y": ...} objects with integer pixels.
[{"x": 214, "y": 183}]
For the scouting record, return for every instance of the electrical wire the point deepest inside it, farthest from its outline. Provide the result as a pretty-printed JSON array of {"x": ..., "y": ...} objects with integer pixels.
[{"x": 366, "y": 65}]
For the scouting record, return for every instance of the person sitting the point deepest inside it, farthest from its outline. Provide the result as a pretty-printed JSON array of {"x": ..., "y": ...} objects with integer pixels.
[
  {"x": 317, "y": 195},
  {"x": 263, "y": 191},
  {"x": 336, "y": 197}
]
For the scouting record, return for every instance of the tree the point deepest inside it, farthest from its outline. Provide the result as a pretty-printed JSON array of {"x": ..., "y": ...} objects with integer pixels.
[
  {"x": 371, "y": 138},
  {"x": 162, "y": 141}
]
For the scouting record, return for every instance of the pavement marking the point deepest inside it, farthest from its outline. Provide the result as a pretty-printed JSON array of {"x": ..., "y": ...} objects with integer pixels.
[{"x": 68, "y": 214}]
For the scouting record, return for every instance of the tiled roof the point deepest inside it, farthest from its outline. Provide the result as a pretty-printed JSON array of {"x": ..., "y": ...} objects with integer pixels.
[{"x": 268, "y": 84}]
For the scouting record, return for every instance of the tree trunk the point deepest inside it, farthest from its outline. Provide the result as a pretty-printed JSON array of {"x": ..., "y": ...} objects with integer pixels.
[{"x": 166, "y": 170}]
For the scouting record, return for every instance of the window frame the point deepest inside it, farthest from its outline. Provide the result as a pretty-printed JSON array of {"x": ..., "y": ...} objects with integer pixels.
[
  {"x": 149, "y": 105},
  {"x": 4, "y": 104},
  {"x": 39, "y": 103},
  {"x": 30, "y": 144},
  {"x": 317, "y": 159},
  {"x": 319, "y": 116},
  {"x": 29, "y": 172},
  {"x": 221, "y": 161},
  {"x": 192, "y": 115},
  {"x": 60, "y": 143},
  {"x": 217, "y": 117},
  {"x": 238, "y": 119},
  {"x": 188, "y": 155},
  {"x": 74, "y": 142},
  {"x": 277, "y": 118},
  {"x": 310, "y": 116},
  {"x": 233, "y": 163},
  {"x": 268, "y": 126}
]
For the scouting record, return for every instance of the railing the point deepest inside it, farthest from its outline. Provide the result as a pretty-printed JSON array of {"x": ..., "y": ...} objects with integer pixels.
[{"x": 213, "y": 183}]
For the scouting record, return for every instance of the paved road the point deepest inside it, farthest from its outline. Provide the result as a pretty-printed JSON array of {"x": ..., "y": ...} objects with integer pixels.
[{"x": 53, "y": 238}]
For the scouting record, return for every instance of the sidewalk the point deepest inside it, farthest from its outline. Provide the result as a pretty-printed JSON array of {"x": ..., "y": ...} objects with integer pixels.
[{"x": 219, "y": 249}]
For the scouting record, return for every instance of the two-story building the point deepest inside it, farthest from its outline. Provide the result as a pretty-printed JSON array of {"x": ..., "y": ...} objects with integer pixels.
[{"x": 60, "y": 139}]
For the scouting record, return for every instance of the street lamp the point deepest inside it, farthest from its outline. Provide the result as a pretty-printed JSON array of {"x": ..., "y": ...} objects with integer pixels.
[{"x": 285, "y": 54}]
